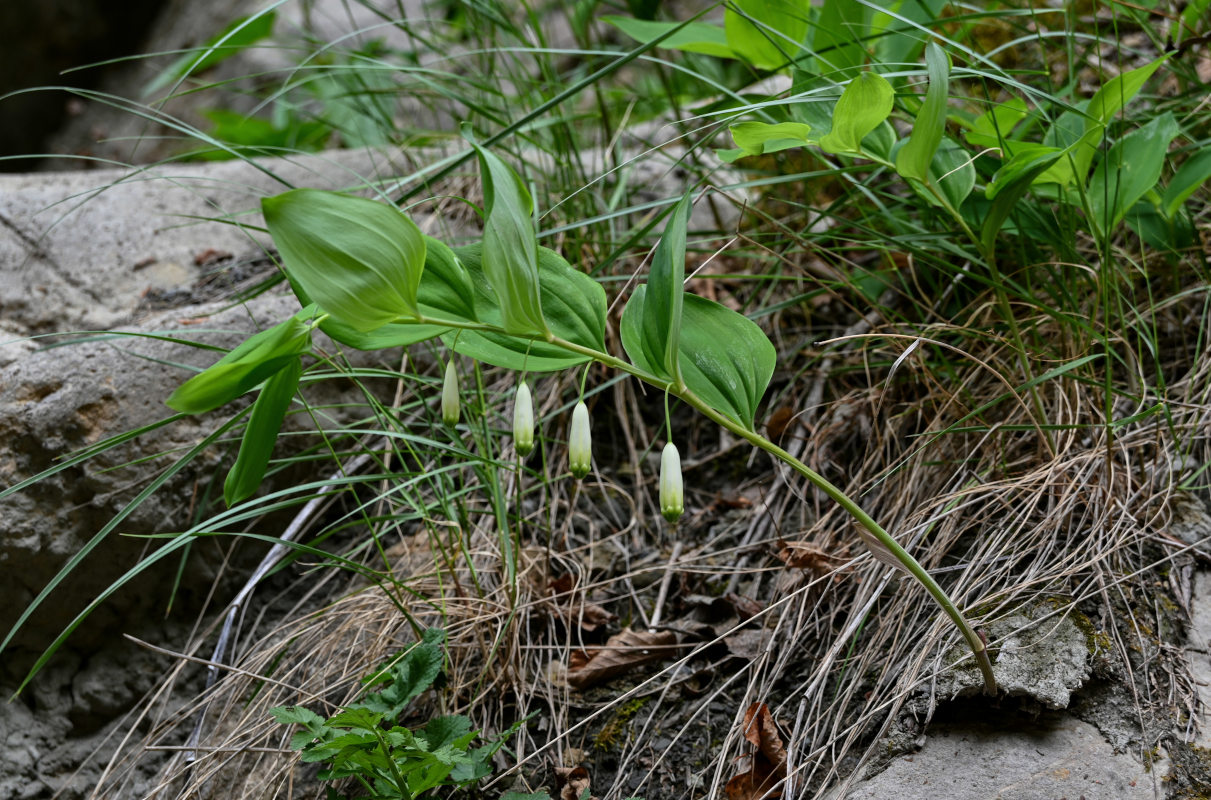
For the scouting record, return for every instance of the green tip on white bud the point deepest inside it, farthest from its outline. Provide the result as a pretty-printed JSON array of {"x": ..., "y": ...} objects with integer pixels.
[
  {"x": 580, "y": 442},
  {"x": 523, "y": 421},
  {"x": 450, "y": 401},
  {"x": 672, "y": 490}
]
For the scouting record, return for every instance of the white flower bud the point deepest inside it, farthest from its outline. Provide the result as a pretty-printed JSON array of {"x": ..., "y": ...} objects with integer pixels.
[
  {"x": 672, "y": 491},
  {"x": 580, "y": 442},
  {"x": 450, "y": 400},
  {"x": 523, "y": 421}
]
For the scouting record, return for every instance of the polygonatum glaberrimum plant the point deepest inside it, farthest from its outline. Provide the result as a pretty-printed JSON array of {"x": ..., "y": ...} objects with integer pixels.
[{"x": 367, "y": 277}]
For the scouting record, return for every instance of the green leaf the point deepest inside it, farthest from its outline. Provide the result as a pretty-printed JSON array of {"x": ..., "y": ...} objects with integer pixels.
[
  {"x": 296, "y": 715},
  {"x": 916, "y": 157},
  {"x": 359, "y": 259},
  {"x": 445, "y": 292},
  {"x": 1190, "y": 175},
  {"x": 766, "y": 33},
  {"x": 510, "y": 246},
  {"x": 837, "y": 42},
  {"x": 235, "y": 38},
  {"x": 411, "y": 675},
  {"x": 1007, "y": 187},
  {"x": 666, "y": 288},
  {"x": 953, "y": 172},
  {"x": 725, "y": 359},
  {"x": 574, "y": 306},
  {"x": 256, "y": 359},
  {"x": 261, "y": 433},
  {"x": 1128, "y": 170},
  {"x": 865, "y": 103},
  {"x": 520, "y": 796},
  {"x": 756, "y": 138},
  {"x": 1102, "y": 108},
  {"x": 816, "y": 99},
  {"x": 690, "y": 37},
  {"x": 992, "y": 128}
]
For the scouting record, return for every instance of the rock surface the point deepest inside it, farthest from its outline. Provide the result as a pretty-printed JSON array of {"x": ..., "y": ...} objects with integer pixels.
[{"x": 1056, "y": 756}]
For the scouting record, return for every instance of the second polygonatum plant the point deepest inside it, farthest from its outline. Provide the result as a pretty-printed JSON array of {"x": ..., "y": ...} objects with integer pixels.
[{"x": 370, "y": 279}]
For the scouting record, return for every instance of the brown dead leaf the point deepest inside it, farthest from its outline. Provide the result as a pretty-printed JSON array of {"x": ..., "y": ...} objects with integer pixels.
[
  {"x": 566, "y": 605},
  {"x": 805, "y": 556},
  {"x": 777, "y": 423},
  {"x": 622, "y": 652},
  {"x": 572, "y": 782},
  {"x": 768, "y": 763},
  {"x": 746, "y": 608},
  {"x": 210, "y": 256}
]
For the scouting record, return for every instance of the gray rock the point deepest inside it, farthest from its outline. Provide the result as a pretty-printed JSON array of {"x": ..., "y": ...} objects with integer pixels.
[
  {"x": 81, "y": 250},
  {"x": 1037, "y": 653},
  {"x": 1055, "y": 757}
]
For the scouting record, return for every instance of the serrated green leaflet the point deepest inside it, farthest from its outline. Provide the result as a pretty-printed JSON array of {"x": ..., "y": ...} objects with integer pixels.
[
  {"x": 260, "y": 433},
  {"x": 916, "y": 156},
  {"x": 864, "y": 104},
  {"x": 359, "y": 260},
  {"x": 724, "y": 357},
  {"x": 510, "y": 246},
  {"x": 254, "y": 360},
  {"x": 573, "y": 305}
]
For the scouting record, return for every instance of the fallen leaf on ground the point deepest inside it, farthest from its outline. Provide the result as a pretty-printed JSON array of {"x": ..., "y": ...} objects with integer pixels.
[
  {"x": 767, "y": 766},
  {"x": 589, "y": 616},
  {"x": 618, "y": 655},
  {"x": 806, "y": 556},
  {"x": 572, "y": 782}
]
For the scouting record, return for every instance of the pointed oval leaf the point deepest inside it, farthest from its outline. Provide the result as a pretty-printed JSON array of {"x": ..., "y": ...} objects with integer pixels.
[
  {"x": 915, "y": 157},
  {"x": 510, "y": 246},
  {"x": 666, "y": 287},
  {"x": 574, "y": 306},
  {"x": 690, "y": 37},
  {"x": 359, "y": 259},
  {"x": 865, "y": 103},
  {"x": 1009, "y": 184},
  {"x": 445, "y": 292},
  {"x": 1129, "y": 170},
  {"x": 1190, "y": 175},
  {"x": 756, "y": 138},
  {"x": 766, "y": 33},
  {"x": 257, "y": 358},
  {"x": 725, "y": 358},
  {"x": 261, "y": 433},
  {"x": 1104, "y": 104}
]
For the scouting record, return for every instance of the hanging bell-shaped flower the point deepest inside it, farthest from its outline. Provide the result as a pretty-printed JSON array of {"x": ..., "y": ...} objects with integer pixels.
[
  {"x": 580, "y": 442},
  {"x": 450, "y": 400},
  {"x": 672, "y": 490},
  {"x": 523, "y": 421}
]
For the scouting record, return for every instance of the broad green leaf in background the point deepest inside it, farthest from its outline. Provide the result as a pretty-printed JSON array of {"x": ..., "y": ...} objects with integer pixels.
[
  {"x": 953, "y": 172},
  {"x": 573, "y": 304},
  {"x": 916, "y": 156},
  {"x": 896, "y": 39},
  {"x": 445, "y": 292},
  {"x": 693, "y": 37},
  {"x": 724, "y": 357},
  {"x": 236, "y": 37},
  {"x": 837, "y": 43},
  {"x": 1107, "y": 102},
  {"x": 816, "y": 99},
  {"x": 358, "y": 259},
  {"x": 865, "y": 103},
  {"x": 261, "y": 433},
  {"x": 768, "y": 34},
  {"x": 1128, "y": 170},
  {"x": 756, "y": 138},
  {"x": 666, "y": 288},
  {"x": 1190, "y": 175},
  {"x": 256, "y": 359},
  {"x": 510, "y": 246},
  {"x": 1008, "y": 186},
  {"x": 992, "y": 128}
]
